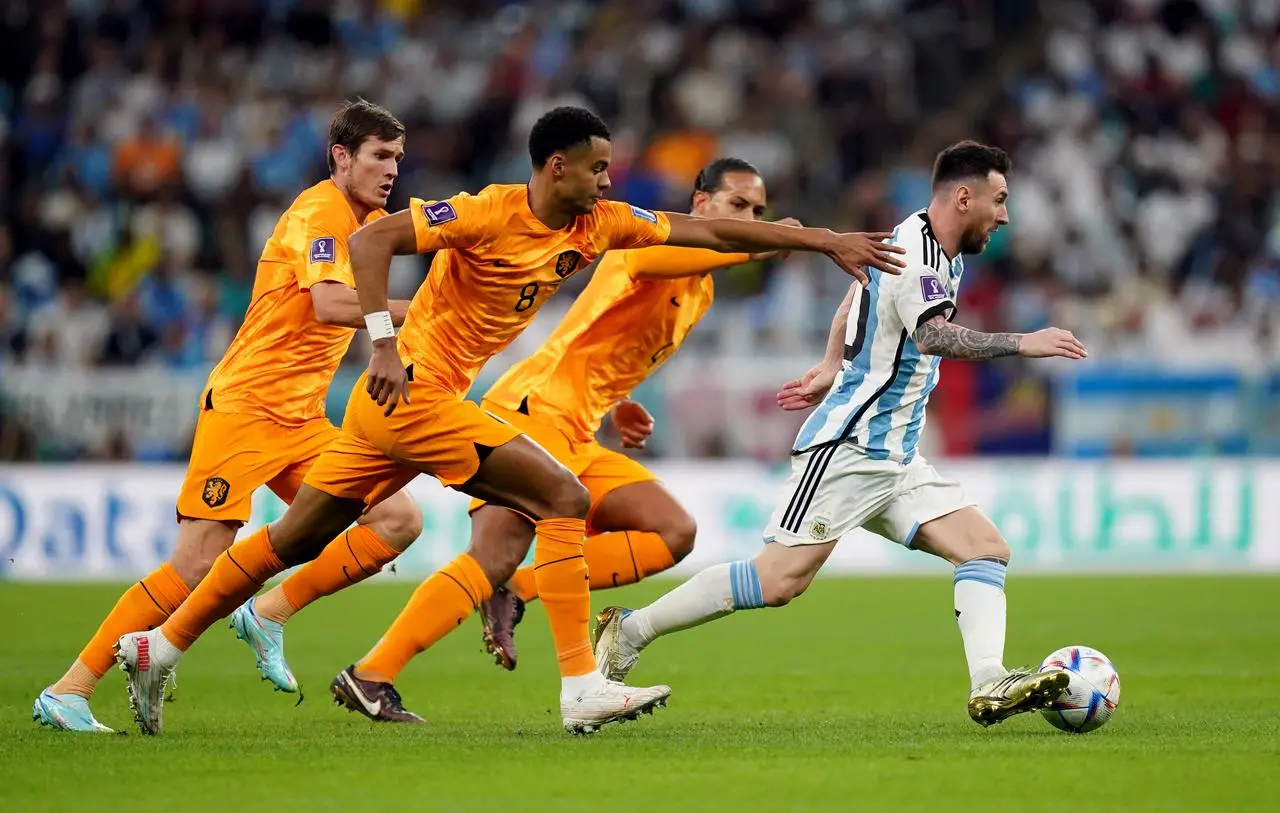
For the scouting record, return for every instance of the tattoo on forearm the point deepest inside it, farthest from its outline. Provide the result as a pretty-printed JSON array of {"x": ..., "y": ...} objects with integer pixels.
[{"x": 938, "y": 337}]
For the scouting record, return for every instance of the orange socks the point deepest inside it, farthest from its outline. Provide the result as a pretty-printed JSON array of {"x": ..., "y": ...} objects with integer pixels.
[
  {"x": 142, "y": 607},
  {"x": 613, "y": 559},
  {"x": 439, "y": 605},
  {"x": 524, "y": 584},
  {"x": 235, "y": 576},
  {"x": 560, "y": 570},
  {"x": 351, "y": 558}
]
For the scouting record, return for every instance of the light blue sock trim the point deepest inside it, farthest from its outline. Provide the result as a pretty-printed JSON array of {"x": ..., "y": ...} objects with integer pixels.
[
  {"x": 744, "y": 582},
  {"x": 982, "y": 570}
]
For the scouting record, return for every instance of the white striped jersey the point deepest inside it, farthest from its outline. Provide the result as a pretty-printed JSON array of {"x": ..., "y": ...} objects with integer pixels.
[{"x": 877, "y": 401}]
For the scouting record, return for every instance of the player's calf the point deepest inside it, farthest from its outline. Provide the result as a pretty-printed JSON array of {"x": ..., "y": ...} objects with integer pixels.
[
  {"x": 311, "y": 522},
  {"x": 962, "y": 536},
  {"x": 500, "y": 540},
  {"x": 786, "y": 571}
]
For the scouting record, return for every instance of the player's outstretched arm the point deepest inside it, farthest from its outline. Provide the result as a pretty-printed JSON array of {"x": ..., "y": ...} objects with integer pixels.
[
  {"x": 371, "y": 249},
  {"x": 656, "y": 263},
  {"x": 850, "y": 251},
  {"x": 813, "y": 386},
  {"x": 338, "y": 304},
  {"x": 938, "y": 337}
]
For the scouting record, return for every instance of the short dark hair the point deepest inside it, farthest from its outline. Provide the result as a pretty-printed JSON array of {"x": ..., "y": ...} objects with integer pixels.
[
  {"x": 358, "y": 120},
  {"x": 969, "y": 159},
  {"x": 711, "y": 178},
  {"x": 561, "y": 129}
]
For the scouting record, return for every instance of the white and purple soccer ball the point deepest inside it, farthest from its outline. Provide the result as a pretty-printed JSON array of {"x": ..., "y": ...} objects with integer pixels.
[{"x": 1091, "y": 696}]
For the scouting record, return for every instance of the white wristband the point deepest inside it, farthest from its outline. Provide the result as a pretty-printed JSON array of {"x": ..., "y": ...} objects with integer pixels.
[{"x": 379, "y": 325}]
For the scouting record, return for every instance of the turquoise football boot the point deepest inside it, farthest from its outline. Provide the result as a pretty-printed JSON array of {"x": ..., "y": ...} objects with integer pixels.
[
  {"x": 267, "y": 640},
  {"x": 66, "y": 712}
]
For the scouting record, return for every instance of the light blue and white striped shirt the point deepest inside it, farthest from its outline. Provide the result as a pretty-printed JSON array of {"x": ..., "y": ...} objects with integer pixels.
[{"x": 878, "y": 399}]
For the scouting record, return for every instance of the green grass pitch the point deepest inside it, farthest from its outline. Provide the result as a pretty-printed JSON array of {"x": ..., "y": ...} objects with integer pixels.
[{"x": 850, "y": 699}]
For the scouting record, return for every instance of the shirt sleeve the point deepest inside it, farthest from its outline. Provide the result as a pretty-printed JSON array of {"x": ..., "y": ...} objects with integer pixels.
[
  {"x": 626, "y": 226},
  {"x": 324, "y": 250},
  {"x": 459, "y": 222},
  {"x": 919, "y": 295},
  {"x": 668, "y": 261}
]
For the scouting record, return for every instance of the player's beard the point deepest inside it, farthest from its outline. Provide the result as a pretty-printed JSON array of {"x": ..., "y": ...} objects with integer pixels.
[{"x": 973, "y": 241}]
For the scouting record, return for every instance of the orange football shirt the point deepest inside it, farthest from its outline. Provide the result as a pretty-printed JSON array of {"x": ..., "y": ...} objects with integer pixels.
[
  {"x": 616, "y": 334},
  {"x": 496, "y": 264},
  {"x": 282, "y": 359}
]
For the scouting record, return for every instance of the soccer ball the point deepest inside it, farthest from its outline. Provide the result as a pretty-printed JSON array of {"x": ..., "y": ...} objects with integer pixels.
[{"x": 1091, "y": 696}]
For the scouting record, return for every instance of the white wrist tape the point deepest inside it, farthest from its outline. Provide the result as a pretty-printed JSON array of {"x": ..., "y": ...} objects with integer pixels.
[{"x": 379, "y": 325}]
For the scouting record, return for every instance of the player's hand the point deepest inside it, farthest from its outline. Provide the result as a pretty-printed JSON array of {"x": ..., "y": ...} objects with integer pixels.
[
  {"x": 1050, "y": 342},
  {"x": 855, "y": 250},
  {"x": 781, "y": 255},
  {"x": 809, "y": 389},
  {"x": 634, "y": 423},
  {"x": 387, "y": 381}
]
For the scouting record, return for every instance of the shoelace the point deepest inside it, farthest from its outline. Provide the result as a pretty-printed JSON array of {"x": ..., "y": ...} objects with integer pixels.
[{"x": 394, "y": 697}]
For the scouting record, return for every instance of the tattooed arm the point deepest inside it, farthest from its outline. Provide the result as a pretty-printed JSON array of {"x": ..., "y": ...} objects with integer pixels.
[{"x": 938, "y": 337}]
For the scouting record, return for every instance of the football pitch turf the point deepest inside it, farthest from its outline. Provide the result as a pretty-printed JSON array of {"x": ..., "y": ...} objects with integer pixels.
[{"x": 850, "y": 699}]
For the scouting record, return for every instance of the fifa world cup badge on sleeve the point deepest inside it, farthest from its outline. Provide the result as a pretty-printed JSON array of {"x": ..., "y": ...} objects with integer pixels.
[
  {"x": 931, "y": 288},
  {"x": 439, "y": 213},
  {"x": 644, "y": 214},
  {"x": 322, "y": 250}
]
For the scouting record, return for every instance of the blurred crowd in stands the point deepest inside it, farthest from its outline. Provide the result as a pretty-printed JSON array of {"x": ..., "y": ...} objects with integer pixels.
[{"x": 147, "y": 147}]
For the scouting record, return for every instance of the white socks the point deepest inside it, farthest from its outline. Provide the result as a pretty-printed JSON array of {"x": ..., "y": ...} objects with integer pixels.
[
  {"x": 571, "y": 688},
  {"x": 715, "y": 592},
  {"x": 164, "y": 653},
  {"x": 980, "y": 612}
]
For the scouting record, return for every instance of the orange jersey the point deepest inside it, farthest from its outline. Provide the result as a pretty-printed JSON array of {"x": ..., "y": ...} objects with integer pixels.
[
  {"x": 282, "y": 359},
  {"x": 496, "y": 264},
  {"x": 619, "y": 331}
]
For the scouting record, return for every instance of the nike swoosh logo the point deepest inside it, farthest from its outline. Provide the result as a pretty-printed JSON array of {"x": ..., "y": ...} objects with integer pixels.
[
  {"x": 502, "y": 264},
  {"x": 374, "y": 707}
]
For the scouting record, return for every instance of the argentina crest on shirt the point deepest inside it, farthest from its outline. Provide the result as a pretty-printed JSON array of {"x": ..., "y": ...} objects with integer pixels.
[{"x": 879, "y": 396}]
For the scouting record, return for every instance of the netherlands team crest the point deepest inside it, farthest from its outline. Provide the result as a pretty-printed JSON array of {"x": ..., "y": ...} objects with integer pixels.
[
  {"x": 567, "y": 263},
  {"x": 215, "y": 492}
]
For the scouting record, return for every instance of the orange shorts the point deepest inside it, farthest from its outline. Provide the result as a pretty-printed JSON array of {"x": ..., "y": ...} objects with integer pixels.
[
  {"x": 600, "y": 469},
  {"x": 438, "y": 433},
  {"x": 235, "y": 454}
]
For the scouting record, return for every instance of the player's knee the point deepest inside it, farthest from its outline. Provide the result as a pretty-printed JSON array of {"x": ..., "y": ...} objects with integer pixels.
[
  {"x": 567, "y": 497},
  {"x": 199, "y": 543},
  {"x": 400, "y": 525},
  {"x": 678, "y": 532},
  {"x": 192, "y": 565},
  {"x": 989, "y": 544}
]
